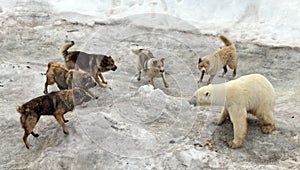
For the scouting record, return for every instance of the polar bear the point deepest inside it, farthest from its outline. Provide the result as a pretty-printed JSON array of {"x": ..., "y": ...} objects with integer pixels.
[{"x": 251, "y": 93}]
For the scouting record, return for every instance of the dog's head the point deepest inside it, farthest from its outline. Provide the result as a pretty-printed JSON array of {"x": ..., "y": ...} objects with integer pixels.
[
  {"x": 108, "y": 63},
  {"x": 202, "y": 96},
  {"x": 80, "y": 96},
  {"x": 158, "y": 65},
  {"x": 202, "y": 65}
]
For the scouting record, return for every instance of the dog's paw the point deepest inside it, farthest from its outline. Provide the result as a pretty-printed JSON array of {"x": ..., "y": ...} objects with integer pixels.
[
  {"x": 199, "y": 81},
  {"x": 66, "y": 121},
  {"x": 105, "y": 82},
  {"x": 28, "y": 146},
  {"x": 138, "y": 79},
  {"x": 166, "y": 85},
  {"x": 66, "y": 132},
  {"x": 45, "y": 92}
]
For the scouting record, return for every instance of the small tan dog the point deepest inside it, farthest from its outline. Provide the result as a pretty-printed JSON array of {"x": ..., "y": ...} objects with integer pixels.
[
  {"x": 151, "y": 66},
  {"x": 212, "y": 63},
  {"x": 54, "y": 103},
  {"x": 94, "y": 64},
  {"x": 66, "y": 79}
]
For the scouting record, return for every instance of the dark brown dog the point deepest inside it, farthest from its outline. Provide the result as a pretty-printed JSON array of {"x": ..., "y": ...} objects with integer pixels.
[
  {"x": 94, "y": 64},
  {"x": 54, "y": 103},
  {"x": 66, "y": 79}
]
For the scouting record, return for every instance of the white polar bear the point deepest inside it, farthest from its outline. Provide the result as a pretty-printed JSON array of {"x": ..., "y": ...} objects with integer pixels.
[{"x": 251, "y": 93}]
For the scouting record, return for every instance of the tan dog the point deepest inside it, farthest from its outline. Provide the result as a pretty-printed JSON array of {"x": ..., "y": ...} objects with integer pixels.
[
  {"x": 212, "y": 63},
  {"x": 94, "y": 64},
  {"x": 151, "y": 66},
  {"x": 251, "y": 93},
  {"x": 55, "y": 103},
  {"x": 66, "y": 79}
]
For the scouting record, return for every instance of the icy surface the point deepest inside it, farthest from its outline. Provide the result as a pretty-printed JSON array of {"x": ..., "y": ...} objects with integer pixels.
[{"x": 132, "y": 125}]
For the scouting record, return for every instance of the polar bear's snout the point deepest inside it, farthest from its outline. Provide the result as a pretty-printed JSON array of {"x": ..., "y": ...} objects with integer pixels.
[{"x": 193, "y": 101}]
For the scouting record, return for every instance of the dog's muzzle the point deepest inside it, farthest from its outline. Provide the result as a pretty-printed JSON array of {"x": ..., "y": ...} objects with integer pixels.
[
  {"x": 114, "y": 68},
  {"x": 162, "y": 71},
  {"x": 203, "y": 70}
]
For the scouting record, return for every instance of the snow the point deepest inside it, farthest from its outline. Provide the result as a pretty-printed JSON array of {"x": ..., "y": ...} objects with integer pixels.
[{"x": 132, "y": 125}]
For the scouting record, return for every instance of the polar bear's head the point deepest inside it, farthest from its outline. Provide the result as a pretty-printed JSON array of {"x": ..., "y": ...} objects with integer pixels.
[{"x": 202, "y": 96}]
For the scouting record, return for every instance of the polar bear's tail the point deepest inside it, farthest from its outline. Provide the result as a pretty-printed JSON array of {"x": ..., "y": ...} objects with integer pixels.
[{"x": 225, "y": 40}]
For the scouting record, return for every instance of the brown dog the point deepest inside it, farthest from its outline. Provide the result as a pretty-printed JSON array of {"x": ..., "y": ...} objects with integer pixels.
[
  {"x": 55, "y": 103},
  {"x": 66, "y": 79},
  {"x": 94, "y": 64},
  {"x": 212, "y": 63}
]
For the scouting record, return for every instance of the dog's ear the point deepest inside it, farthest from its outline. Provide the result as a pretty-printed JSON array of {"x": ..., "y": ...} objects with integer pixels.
[
  {"x": 199, "y": 60},
  {"x": 162, "y": 60}
]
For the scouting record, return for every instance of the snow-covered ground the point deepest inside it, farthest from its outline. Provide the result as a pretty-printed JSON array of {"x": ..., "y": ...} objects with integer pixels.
[
  {"x": 131, "y": 125},
  {"x": 261, "y": 21}
]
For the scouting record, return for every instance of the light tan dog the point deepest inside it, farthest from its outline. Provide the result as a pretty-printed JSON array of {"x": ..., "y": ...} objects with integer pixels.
[
  {"x": 95, "y": 64},
  {"x": 151, "y": 66},
  {"x": 67, "y": 79},
  {"x": 251, "y": 93},
  {"x": 212, "y": 63}
]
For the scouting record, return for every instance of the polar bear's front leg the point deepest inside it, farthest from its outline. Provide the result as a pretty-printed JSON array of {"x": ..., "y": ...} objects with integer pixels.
[
  {"x": 224, "y": 115},
  {"x": 238, "y": 117}
]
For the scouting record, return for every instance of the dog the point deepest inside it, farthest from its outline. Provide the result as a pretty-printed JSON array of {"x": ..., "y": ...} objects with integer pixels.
[
  {"x": 66, "y": 79},
  {"x": 94, "y": 64},
  {"x": 54, "y": 103},
  {"x": 151, "y": 65},
  {"x": 212, "y": 63}
]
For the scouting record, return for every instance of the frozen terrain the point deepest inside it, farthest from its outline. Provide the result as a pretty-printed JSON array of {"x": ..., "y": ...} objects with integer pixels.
[{"x": 131, "y": 125}]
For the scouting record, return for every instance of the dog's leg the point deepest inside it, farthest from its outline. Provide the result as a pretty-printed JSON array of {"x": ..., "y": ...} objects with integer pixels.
[
  {"x": 210, "y": 79},
  {"x": 139, "y": 75},
  {"x": 98, "y": 81},
  {"x": 102, "y": 78},
  {"x": 58, "y": 114},
  {"x": 234, "y": 72},
  {"x": 139, "y": 68},
  {"x": 28, "y": 126},
  {"x": 163, "y": 76},
  {"x": 201, "y": 77},
  {"x": 26, "y": 134},
  {"x": 152, "y": 82},
  {"x": 225, "y": 71},
  {"x": 46, "y": 88}
]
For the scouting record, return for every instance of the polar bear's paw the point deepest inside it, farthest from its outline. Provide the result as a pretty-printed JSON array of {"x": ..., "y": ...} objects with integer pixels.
[
  {"x": 233, "y": 144},
  {"x": 267, "y": 128}
]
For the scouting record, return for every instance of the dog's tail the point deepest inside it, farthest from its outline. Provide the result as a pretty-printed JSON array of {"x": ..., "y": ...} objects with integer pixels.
[
  {"x": 65, "y": 47},
  {"x": 225, "y": 40},
  {"x": 20, "y": 109}
]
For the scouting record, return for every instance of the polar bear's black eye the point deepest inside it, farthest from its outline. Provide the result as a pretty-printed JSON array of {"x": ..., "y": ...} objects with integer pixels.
[{"x": 206, "y": 94}]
